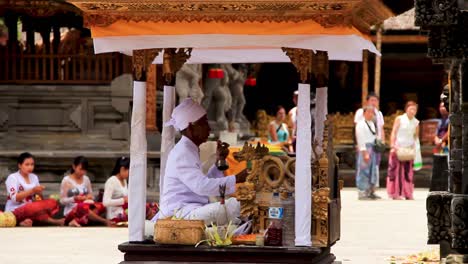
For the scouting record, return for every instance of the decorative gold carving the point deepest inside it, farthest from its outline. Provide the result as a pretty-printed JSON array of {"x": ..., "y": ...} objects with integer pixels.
[
  {"x": 173, "y": 60},
  {"x": 151, "y": 98},
  {"x": 302, "y": 60},
  {"x": 359, "y": 13},
  {"x": 39, "y": 8},
  {"x": 268, "y": 174},
  {"x": 320, "y": 68},
  {"x": 320, "y": 201},
  {"x": 260, "y": 124},
  {"x": 142, "y": 60},
  {"x": 343, "y": 127},
  {"x": 245, "y": 194}
]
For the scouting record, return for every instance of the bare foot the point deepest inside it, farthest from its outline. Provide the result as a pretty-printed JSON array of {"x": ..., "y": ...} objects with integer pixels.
[
  {"x": 60, "y": 222},
  {"x": 74, "y": 223},
  {"x": 26, "y": 223},
  {"x": 110, "y": 223}
]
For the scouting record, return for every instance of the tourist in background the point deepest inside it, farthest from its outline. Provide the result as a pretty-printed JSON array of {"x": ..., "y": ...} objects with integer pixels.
[
  {"x": 372, "y": 99},
  {"x": 278, "y": 130},
  {"x": 115, "y": 197},
  {"x": 441, "y": 139},
  {"x": 403, "y": 141},
  {"x": 76, "y": 194},
  {"x": 366, "y": 171},
  {"x": 116, "y": 192},
  {"x": 25, "y": 199}
]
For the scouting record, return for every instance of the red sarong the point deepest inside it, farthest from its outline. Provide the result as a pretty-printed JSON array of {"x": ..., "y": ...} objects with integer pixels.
[
  {"x": 37, "y": 211},
  {"x": 81, "y": 212},
  {"x": 400, "y": 176}
]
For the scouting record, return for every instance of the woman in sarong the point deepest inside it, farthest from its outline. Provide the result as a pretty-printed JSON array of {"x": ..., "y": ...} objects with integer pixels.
[
  {"x": 116, "y": 194},
  {"x": 25, "y": 196},
  {"x": 366, "y": 171},
  {"x": 405, "y": 132},
  {"x": 76, "y": 194}
]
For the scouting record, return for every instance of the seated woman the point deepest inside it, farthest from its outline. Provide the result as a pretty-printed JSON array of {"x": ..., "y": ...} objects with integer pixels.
[
  {"x": 116, "y": 194},
  {"x": 76, "y": 194},
  {"x": 278, "y": 129},
  {"x": 25, "y": 196}
]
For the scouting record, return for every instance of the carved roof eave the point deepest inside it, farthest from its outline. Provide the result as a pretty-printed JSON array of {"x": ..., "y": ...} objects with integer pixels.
[
  {"x": 39, "y": 8},
  {"x": 361, "y": 14}
]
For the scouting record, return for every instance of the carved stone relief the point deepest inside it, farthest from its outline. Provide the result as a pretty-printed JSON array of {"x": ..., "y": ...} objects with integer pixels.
[
  {"x": 459, "y": 216},
  {"x": 438, "y": 217}
]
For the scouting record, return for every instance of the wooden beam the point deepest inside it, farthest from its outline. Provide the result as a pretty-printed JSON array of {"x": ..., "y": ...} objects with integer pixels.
[
  {"x": 365, "y": 76},
  {"x": 378, "y": 61},
  {"x": 401, "y": 39}
]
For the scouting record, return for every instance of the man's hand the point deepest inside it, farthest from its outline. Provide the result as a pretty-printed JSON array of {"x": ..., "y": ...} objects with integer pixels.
[
  {"x": 366, "y": 156},
  {"x": 80, "y": 198},
  {"x": 38, "y": 189},
  {"x": 126, "y": 199},
  {"x": 222, "y": 151},
  {"x": 242, "y": 176},
  {"x": 89, "y": 197}
]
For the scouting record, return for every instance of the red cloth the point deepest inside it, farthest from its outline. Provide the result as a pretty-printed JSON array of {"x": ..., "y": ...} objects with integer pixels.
[
  {"x": 399, "y": 178},
  {"x": 81, "y": 212},
  {"x": 151, "y": 210},
  {"x": 37, "y": 211}
]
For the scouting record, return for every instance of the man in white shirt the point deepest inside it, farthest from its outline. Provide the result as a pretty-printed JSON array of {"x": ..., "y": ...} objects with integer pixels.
[
  {"x": 366, "y": 171},
  {"x": 372, "y": 99},
  {"x": 186, "y": 187}
]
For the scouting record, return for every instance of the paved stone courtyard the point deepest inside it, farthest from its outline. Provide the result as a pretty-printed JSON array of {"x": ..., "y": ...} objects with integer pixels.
[{"x": 371, "y": 231}]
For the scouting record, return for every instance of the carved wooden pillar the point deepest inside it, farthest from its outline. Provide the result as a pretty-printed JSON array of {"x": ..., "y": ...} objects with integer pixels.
[
  {"x": 56, "y": 40},
  {"x": 378, "y": 61},
  {"x": 11, "y": 22},
  {"x": 151, "y": 99},
  {"x": 365, "y": 76}
]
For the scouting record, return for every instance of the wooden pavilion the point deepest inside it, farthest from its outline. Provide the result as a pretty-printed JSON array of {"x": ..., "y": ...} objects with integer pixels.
[{"x": 309, "y": 32}]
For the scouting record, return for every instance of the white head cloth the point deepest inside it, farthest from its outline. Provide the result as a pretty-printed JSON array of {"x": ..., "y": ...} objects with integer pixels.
[{"x": 186, "y": 112}]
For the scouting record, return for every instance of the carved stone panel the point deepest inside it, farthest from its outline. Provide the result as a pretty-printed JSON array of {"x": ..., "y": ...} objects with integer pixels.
[
  {"x": 459, "y": 215},
  {"x": 438, "y": 217},
  {"x": 44, "y": 115}
]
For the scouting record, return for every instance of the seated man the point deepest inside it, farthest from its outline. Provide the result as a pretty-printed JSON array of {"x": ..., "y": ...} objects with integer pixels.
[{"x": 186, "y": 188}]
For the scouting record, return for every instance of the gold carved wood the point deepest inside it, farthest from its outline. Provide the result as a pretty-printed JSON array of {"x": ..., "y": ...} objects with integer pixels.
[
  {"x": 359, "y": 13},
  {"x": 321, "y": 191},
  {"x": 320, "y": 201},
  {"x": 151, "y": 98},
  {"x": 343, "y": 127},
  {"x": 173, "y": 60},
  {"x": 142, "y": 60},
  {"x": 302, "y": 60}
]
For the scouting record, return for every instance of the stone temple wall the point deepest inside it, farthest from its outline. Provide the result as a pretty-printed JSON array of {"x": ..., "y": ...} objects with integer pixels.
[{"x": 58, "y": 123}]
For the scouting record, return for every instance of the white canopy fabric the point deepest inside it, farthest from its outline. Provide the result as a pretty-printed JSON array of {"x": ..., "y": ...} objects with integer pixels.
[{"x": 218, "y": 48}]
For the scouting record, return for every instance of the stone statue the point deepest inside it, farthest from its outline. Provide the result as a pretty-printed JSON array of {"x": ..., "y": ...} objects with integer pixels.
[
  {"x": 188, "y": 82},
  {"x": 236, "y": 86},
  {"x": 260, "y": 124},
  {"x": 217, "y": 101}
]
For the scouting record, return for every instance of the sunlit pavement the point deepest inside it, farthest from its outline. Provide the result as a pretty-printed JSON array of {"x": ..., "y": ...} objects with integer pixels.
[{"x": 371, "y": 231}]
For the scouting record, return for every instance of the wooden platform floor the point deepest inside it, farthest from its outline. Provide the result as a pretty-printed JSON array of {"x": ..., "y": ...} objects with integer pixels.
[{"x": 153, "y": 253}]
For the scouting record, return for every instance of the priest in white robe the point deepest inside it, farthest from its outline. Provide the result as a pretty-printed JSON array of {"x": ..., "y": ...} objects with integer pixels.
[{"x": 186, "y": 188}]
